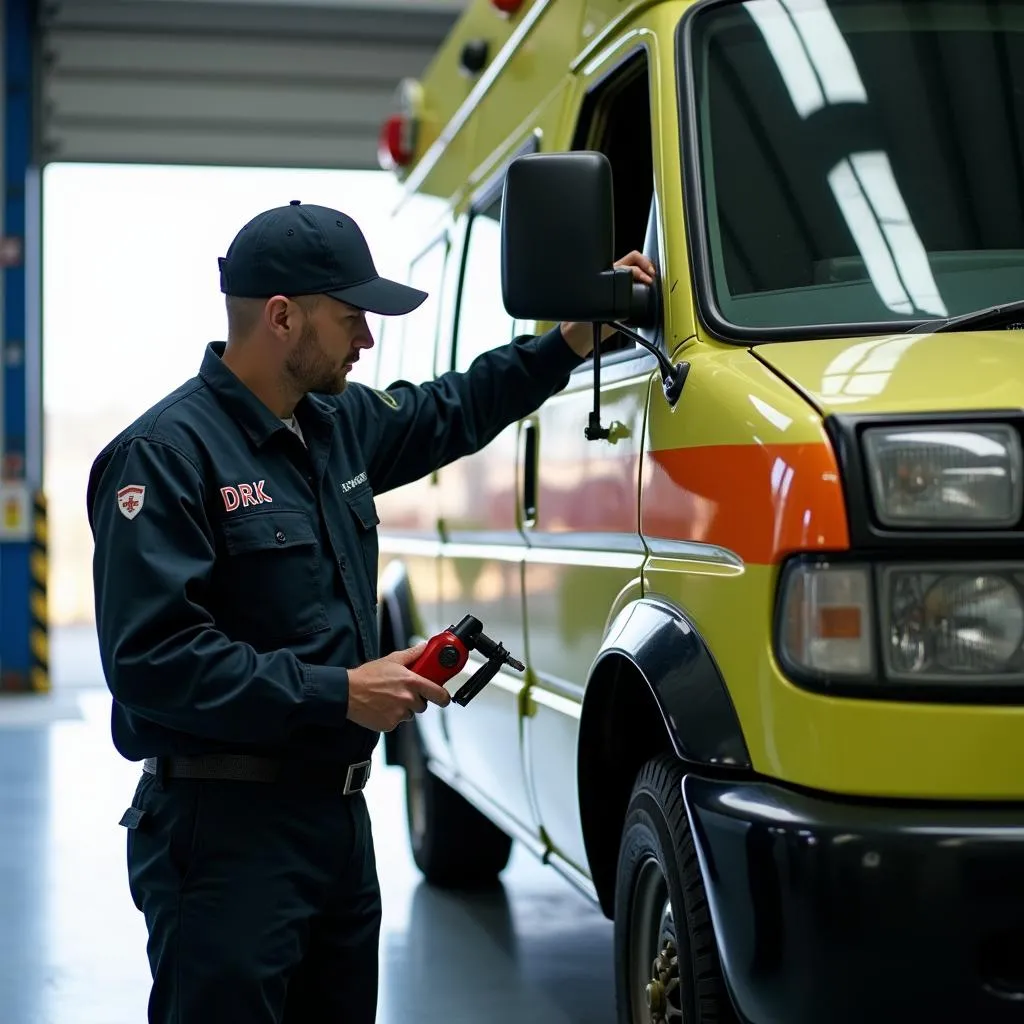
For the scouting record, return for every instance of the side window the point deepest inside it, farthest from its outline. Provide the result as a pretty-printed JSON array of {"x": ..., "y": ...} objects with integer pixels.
[
  {"x": 616, "y": 120},
  {"x": 419, "y": 336},
  {"x": 483, "y": 323},
  {"x": 407, "y": 348}
]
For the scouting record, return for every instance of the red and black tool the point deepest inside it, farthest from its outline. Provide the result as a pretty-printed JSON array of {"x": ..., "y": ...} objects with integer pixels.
[{"x": 447, "y": 653}]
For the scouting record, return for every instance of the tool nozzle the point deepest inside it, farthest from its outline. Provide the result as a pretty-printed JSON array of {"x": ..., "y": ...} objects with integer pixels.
[{"x": 517, "y": 665}]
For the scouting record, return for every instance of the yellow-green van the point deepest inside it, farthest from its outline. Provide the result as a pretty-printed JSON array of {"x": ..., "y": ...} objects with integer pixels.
[{"x": 771, "y": 596}]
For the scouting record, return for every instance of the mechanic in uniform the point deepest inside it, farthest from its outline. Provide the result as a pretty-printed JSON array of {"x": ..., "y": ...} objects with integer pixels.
[{"x": 235, "y": 578}]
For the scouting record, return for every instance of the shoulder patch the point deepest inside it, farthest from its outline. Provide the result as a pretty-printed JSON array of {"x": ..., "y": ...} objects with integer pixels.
[
  {"x": 386, "y": 398},
  {"x": 130, "y": 500}
]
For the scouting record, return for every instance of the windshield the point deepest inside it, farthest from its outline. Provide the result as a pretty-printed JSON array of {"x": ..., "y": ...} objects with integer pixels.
[{"x": 851, "y": 163}]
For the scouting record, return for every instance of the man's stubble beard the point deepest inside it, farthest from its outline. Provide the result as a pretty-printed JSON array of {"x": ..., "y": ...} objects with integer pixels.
[{"x": 310, "y": 369}]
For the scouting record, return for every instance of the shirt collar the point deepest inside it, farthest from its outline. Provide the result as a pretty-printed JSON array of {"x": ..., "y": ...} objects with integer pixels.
[{"x": 254, "y": 417}]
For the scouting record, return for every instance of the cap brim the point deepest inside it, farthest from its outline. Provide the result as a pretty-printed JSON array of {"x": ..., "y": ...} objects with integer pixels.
[{"x": 381, "y": 296}]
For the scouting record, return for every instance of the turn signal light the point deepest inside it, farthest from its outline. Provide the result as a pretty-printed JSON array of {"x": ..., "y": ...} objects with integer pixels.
[
  {"x": 394, "y": 147},
  {"x": 839, "y": 623},
  {"x": 507, "y": 6},
  {"x": 826, "y": 621}
]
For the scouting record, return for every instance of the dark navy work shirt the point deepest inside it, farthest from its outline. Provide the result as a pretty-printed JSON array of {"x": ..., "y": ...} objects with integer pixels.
[{"x": 236, "y": 568}]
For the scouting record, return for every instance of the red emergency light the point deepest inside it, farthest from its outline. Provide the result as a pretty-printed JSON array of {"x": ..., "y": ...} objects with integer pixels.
[
  {"x": 394, "y": 147},
  {"x": 508, "y": 7}
]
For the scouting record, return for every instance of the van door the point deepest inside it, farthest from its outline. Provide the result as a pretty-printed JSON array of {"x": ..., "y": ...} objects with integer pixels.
[
  {"x": 584, "y": 546},
  {"x": 482, "y": 545},
  {"x": 409, "y": 541}
]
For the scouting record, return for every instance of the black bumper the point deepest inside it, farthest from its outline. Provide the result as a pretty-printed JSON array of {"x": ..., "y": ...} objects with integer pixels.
[{"x": 851, "y": 913}]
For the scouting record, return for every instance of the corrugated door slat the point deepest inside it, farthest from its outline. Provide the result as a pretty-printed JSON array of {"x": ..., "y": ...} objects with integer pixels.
[{"x": 228, "y": 83}]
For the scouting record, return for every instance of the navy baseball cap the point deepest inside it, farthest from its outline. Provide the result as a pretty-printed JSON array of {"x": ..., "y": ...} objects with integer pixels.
[{"x": 311, "y": 250}]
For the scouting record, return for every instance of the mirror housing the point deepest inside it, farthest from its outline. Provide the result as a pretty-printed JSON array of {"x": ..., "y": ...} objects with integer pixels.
[
  {"x": 558, "y": 242},
  {"x": 558, "y": 260}
]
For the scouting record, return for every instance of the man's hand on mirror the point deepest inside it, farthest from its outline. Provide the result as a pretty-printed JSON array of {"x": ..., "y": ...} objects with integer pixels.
[{"x": 580, "y": 337}]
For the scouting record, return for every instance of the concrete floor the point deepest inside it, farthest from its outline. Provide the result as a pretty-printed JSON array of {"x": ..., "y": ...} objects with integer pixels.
[{"x": 72, "y": 946}]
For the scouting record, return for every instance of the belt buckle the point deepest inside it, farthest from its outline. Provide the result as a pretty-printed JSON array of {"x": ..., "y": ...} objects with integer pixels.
[{"x": 356, "y": 777}]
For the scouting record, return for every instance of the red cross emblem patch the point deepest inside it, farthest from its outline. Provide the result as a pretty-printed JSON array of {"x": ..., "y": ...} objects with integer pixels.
[{"x": 130, "y": 500}]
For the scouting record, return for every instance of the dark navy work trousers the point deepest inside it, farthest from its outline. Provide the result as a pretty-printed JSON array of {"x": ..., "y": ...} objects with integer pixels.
[{"x": 261, "y": 901}]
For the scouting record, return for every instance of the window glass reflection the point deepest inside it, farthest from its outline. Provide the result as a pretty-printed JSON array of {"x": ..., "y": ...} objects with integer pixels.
[{"x": 861, "y": 161}]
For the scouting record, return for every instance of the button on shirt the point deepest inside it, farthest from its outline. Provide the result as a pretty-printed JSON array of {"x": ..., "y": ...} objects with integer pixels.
[{"x": 235, "y": 565}]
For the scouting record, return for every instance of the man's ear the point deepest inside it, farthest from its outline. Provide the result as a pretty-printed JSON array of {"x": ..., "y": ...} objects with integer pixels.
[{"x": 279, "y": 315}]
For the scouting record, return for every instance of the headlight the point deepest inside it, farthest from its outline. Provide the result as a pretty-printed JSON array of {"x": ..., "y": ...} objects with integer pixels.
[
  {"x": 826, "y": 620},
  {"x": 939, "y": 624},
  {"x": 934, "y": 476},
  {"x": 953, "y": 624}
]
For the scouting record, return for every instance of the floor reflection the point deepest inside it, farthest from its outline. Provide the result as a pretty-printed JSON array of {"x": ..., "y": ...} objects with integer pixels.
[
  {"x": 72, "y": 946},
  {"x": 504, "y": 956},
  {"x": 24, "y": 903}
]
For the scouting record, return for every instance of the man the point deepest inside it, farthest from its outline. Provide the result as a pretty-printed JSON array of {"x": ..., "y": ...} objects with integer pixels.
[{"x": 235, "y": 576}]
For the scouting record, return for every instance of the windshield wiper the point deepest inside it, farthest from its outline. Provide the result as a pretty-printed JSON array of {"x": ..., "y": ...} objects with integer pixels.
[{"x": 991, "y": 316}]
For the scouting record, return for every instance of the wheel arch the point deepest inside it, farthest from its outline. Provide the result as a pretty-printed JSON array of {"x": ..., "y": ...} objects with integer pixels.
[
  {"x": 653, "y": 688},
  {"x": 396, "y": 607},
  {"x": 396, "y": 625}
]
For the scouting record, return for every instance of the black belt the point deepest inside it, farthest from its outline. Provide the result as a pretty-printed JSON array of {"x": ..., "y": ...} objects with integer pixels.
[{"x": 247, "y": 768}]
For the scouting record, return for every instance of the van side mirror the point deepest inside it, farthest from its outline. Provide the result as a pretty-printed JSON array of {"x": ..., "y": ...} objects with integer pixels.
[
  {"x": 558, "y": 259},
  {"x": 558, "y": 242}
]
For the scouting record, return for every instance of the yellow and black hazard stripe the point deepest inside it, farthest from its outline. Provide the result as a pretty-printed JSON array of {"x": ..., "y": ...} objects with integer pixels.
[{"x": 39, "y": 620}]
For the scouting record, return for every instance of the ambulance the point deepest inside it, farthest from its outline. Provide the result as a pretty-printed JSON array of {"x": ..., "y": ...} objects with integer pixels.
[{"x": 763, "y": 558}]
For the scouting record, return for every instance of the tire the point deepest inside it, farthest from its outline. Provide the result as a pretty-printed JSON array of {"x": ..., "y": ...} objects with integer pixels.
[
  {"x": 453, "y": 844},
  {"x": 660, "y": 898}
]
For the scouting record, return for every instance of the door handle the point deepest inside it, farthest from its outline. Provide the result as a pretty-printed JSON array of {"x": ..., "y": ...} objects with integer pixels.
[{"x": 530, "y": 474}]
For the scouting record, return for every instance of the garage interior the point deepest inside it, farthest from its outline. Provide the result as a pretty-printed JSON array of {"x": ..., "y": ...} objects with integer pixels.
[{"x": 228, "y": 83}]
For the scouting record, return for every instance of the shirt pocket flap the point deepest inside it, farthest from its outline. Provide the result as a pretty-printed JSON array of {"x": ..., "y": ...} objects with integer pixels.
[
  {"x": 363, "y": 507},
  {"x": 262, "y": 531}
]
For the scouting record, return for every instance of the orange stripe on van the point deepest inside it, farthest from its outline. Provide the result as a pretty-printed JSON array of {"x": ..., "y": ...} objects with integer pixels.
[{"x": 761, "y": 501}]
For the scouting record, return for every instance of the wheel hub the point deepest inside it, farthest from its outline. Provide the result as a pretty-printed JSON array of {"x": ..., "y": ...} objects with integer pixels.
[
  {"x": 657, "y": 998},
  {"x": 664, "y": 984}
]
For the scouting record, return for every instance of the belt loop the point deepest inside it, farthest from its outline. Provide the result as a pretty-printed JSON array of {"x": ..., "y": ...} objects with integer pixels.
[{"x": 161, "y": 773}]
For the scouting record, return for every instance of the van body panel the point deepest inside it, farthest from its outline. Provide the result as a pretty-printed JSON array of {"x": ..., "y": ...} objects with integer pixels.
[
  {"x": 706, "y": 507},
  {"x": 584, "y": 550},
  {"x": 906, "y": 373}
]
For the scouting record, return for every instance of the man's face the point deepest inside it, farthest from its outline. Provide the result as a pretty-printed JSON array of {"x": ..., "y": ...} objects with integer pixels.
[{"x": 332, "y": 336}]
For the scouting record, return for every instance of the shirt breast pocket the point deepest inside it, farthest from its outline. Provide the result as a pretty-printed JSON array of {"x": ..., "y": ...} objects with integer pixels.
[
  {"x": 271, "y": 578},
  {"x": 364, "y": 510}
]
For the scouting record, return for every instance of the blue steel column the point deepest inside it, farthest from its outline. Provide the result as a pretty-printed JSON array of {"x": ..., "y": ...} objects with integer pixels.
[{"x": 23, "y": 642}]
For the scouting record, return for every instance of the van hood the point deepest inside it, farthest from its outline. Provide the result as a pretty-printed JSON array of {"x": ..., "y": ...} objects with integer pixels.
[{"x": 905, "y": 373}]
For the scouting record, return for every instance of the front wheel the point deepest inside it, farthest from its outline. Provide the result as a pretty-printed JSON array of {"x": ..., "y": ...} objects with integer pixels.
[
  {"x": 453, "y": 844},
  {"x": 666, "y": 959}
]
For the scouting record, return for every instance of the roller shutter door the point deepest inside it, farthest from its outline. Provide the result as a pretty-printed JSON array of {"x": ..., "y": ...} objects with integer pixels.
[{"x": 238, "y": 83}]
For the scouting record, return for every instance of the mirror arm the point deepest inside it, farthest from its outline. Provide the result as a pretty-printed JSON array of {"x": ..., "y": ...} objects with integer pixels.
[
  {"x": 594, "y": 430},
  {"x": 672, "y": 377}
]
